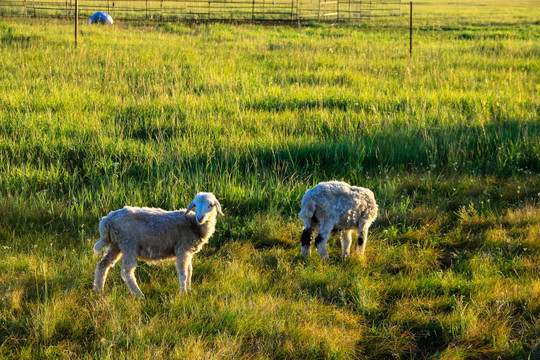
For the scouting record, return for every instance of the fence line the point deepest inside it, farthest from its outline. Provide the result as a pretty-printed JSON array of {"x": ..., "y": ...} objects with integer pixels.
[{"x": 178, "y": 10}]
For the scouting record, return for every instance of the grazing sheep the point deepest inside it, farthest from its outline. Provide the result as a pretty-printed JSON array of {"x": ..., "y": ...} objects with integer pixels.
[
  {"x": 154, "y": 234},
  {"x": 336, "y": 206}
]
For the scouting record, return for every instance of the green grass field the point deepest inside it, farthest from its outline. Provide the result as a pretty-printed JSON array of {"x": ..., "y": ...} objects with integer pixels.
[{"x": 148, "y": 115}]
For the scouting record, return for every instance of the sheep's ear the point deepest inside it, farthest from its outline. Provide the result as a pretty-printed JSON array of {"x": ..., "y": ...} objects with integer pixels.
[
  {"x": 189, "y": 208},
  {"x": 218, "y": 207}
]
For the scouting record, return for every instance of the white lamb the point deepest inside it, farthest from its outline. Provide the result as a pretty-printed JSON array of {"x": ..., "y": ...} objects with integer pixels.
[
  {"x": 155, "y": 234},
  {"x": 336, "y": 206}
]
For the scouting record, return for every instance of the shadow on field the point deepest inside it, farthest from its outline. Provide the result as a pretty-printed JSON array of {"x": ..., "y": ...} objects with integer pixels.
[
  {"x": 149, "y": 123},
  {"x": 458, "y": 149},
  {"x": 9, "y": 37},
  {"x": 272, "y": 178}
]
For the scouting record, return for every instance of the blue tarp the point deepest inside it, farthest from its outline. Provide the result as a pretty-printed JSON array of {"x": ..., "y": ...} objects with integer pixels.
[{"x": 100, "y": 18}]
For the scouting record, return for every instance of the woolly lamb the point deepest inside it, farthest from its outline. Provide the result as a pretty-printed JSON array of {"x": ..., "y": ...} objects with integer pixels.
[
  {"x": 336, "y": 206},
  {"x": 154, "y": 234}
]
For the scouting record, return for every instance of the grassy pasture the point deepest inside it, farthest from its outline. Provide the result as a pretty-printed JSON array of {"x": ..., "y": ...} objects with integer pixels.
[{"x": 148, "y": 115}]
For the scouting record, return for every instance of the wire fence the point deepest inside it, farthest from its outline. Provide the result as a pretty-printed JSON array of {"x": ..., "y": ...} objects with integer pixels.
[{"x": 208, "y": 10}]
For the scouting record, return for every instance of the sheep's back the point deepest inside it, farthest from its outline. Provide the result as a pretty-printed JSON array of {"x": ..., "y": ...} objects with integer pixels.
[
  {"x": 153, "y": 233},
  {"x": 341, "y": 202}
]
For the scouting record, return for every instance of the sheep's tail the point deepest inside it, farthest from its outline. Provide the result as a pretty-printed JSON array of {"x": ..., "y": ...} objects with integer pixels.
[
  {"x": 105, "y": 239},
  {"x": 98, "y": 247},
  {"x": 308, "y": 208},
  {"x": 372, "y": 209}
]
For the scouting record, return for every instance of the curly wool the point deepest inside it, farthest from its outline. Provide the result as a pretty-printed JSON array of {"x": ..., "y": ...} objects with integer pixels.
[{"x": 336, "y": 206}]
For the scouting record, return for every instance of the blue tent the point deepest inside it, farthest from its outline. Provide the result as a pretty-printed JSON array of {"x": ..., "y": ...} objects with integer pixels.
[{"x": 100, "y": 18}]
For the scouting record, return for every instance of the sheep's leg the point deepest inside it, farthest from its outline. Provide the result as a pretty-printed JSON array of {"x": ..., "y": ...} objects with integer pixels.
[
  {"x": 306, "y": 238},
  {"x": 362, "y": 237},
  {"x": 321, "y": 240},
  {"x": 346, "y": 243},
  {"x": 183, "y": 264},
  {"x": 190, "y": 271},
  {"x": 128, "y": 274},
  {"x": 109, "y": 259}
]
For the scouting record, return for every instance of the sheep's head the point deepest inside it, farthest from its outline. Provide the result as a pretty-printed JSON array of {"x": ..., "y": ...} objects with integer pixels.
[{"x": 206, "y": 205}]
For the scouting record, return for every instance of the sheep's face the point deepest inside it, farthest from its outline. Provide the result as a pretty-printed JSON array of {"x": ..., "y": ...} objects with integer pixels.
[{"x": 206, "y": 205}]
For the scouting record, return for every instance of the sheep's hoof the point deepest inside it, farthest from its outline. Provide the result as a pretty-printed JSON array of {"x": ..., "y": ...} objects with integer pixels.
[
  {"x": 323, "y": 253},
  {"x": 306, "y": 251},
  {"x": 183, "y": 291},
  {"x": 138, "y": 294},
  {"x": 97, "y": 290}
]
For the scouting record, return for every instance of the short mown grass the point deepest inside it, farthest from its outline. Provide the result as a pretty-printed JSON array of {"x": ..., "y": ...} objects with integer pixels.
[{"x": 448, "y": 139}]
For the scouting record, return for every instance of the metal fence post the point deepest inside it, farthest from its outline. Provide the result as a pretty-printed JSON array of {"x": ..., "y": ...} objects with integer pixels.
[
  {"x": 292, "y": 11},
  {"x": 410, "y": 31},
  {"x": 76, "y": 21}
]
